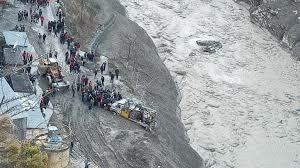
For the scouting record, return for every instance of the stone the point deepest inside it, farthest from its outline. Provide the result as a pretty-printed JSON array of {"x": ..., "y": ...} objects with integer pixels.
[{"x": 209, "y": 46}]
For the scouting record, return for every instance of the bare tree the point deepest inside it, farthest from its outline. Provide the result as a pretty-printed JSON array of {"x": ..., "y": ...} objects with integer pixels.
[{"x": 129, "y": 43}]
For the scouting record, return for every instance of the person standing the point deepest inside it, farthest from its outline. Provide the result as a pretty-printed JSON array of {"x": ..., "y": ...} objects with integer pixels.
[
  {"x": 44, "y": 37},
  {"x": 71, "y": 146},
  {"x": 112, "y": 76},
  {"x": 102, "y": 80},
  {"x": 86, "y": 163},
  {"x": 40, "y": 12},
  {"x": 55, "y": 54},
  {"x": 30, "y": 58},
  {"x": 91, "y": 103},
  {"x": 73, "y": 89},
  {"x": 104, "y": 66},
  {"x": 96, "y": 72},
  {"x": 117, "y": 73},
  {"x": 50, "y": 54},
  {"x": 66, "y": 57},
  {"x": 40, "y": 37},
  {"x": 42, "y": 104},
  {"x": 42, "y": 20},
  {"x": 102, "y": 69}
]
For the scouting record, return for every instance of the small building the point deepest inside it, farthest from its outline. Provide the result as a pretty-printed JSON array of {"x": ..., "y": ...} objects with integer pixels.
[
  {"x": 15, "y": 44},
  {"x": 57, "y": 149},
  {"x": 24, "y": 105},
  {"x": 20, "y": 83}
]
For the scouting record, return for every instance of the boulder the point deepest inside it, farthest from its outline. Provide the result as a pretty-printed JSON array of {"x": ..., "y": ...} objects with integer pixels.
[{"x": 209, "y": 46}]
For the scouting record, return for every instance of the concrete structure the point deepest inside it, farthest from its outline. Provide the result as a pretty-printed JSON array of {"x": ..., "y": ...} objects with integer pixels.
[
  {"x": 57, "y": 149},
  {"x": 20, "y": 127}
]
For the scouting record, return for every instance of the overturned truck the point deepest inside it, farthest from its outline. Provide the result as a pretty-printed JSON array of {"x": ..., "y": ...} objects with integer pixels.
[{"x": 133, "y": 110}]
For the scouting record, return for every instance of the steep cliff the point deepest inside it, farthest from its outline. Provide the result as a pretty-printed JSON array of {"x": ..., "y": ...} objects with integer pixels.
[{"x": 281, "y": 18}]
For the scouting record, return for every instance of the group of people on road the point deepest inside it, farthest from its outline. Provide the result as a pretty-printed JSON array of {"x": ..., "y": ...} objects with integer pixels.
[
  {"x": 20, "y": 28},
  {"x": 23, "y": 15},
  {"x": 27, "y": 57},
  {"x": 56, "y": 27},
  {"x": 72, "y": 58},
  {"x": 37, "y": 2},
  {"x": 95, "y": 93},
  {"x": 35, "y": 14},
  {"x": 53, "y": 54},
  {"x": 45, "y": 101},
  {"x": 40, "y": 36}
]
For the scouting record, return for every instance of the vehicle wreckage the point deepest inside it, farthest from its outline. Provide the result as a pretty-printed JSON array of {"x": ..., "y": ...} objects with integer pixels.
[{"x": 133, "y": 110}]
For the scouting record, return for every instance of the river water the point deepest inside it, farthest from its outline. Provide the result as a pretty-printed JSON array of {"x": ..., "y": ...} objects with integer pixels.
[{"x": 238, "y": 104}]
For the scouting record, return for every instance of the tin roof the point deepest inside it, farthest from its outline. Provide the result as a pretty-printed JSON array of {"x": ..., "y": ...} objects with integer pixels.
[
  {"x": 21, "y": 83},
  {"x": 20, "y": 105},
  {"x": 14, "y": 38}
]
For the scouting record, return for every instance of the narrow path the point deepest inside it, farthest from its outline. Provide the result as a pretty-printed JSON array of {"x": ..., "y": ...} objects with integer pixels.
[{"x": 87, "y": 126}]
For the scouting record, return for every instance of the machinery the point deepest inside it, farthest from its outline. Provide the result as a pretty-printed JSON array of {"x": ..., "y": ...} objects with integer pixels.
[
  {"x": 49, "y": 67},
  {"x": 133, "y": 110}
]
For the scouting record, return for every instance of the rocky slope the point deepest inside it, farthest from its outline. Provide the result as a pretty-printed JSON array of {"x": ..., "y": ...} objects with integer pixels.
[
  {"x": 129, "y": 48},
  {"x": 281, "y": 18}
]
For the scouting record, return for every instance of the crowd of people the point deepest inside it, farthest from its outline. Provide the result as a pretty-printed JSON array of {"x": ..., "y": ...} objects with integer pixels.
[
  {"x": 27, "y": 57},
  {"x": 38, "y": 2},
  {"x": 23, "y": 15},
  {"x": 95, "y": 93},
  {"x": 20, "y": 28}
]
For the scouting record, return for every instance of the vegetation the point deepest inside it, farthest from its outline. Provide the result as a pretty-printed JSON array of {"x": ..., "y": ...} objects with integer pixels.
[
  {"x": 19, "y": 154},
  {"x": 26, "y": 155},
  {"x": 5, "y": 127}
]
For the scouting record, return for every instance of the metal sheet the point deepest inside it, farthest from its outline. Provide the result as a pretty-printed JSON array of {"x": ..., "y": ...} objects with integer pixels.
[
  {"x": 16, "y": 38},
  {"x": 23, "y": 107}
]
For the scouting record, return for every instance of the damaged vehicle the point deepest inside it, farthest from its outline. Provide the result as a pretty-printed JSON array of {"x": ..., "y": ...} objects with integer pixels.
[{"x": 133, "y": 110}]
